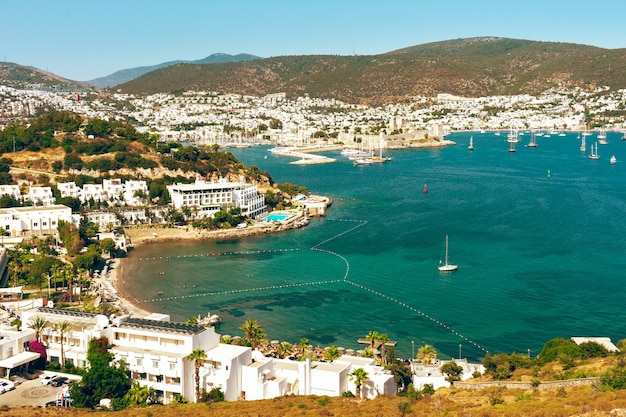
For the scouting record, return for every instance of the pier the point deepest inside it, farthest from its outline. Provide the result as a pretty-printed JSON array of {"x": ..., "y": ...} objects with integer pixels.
[{"x": 306, "y": 154}]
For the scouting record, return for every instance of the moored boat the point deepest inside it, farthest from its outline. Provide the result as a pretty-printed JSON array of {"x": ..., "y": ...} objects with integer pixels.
[{"x": 445, "y": 266}]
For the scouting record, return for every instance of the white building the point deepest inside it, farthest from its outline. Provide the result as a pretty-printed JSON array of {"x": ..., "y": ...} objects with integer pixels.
[
  {"x": 12, "y": 190},
  {"x": 156, "y": 352},
  {"x": 207, "y": 198},
  {"x": 431, "y": 374},
  {"x": 35, "y": 221},
  {"x": 40, "y": 196},
  {"x": 93, "y": 191},
  {"x": 269, "y": 377},
  {"x": 14, "y": 348},
  {"x": 105, "y": 220},
  {"x": 154, "y": 348},
  {"x": 70, "y": 189},
  {"x": 131, "y": 189},
  {"x": 113, "y": 189}
]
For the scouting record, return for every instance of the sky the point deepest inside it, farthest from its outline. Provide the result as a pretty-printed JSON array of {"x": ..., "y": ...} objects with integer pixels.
[{"x": 86, "y": 39}]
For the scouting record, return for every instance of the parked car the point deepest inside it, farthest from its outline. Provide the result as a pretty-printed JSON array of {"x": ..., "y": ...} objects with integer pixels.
[
  {"x": 46, "y": 379},
  {"x": 6, "y": 385},
  {"x": 57, "y": 382}
]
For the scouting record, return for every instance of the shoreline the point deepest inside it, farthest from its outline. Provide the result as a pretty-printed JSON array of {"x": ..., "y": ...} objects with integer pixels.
[{"x": 155, "y": 234}]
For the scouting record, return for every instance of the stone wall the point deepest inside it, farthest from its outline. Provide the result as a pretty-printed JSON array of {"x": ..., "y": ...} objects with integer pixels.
[{"x": 543, "y": 385}]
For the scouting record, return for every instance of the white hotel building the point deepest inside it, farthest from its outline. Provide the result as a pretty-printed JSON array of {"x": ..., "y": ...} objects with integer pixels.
[
  {"x": 210, "y": 197},
  {"x": 156, "y": 352},
  {"x": 154, "y": 348}
]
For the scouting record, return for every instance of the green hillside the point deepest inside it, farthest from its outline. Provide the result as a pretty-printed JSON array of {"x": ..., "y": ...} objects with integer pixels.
[{"x": 467, "y": 67}]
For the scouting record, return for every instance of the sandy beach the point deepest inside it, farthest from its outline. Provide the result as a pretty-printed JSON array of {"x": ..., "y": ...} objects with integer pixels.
[{"x": 154, "y": 234}]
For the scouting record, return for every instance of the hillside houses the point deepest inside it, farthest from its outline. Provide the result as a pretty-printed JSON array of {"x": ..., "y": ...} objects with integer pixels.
[{"x": 128, "y": 193}]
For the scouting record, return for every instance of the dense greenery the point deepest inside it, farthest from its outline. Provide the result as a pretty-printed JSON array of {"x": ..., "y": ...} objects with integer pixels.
[{"x": 105, "y": 378}]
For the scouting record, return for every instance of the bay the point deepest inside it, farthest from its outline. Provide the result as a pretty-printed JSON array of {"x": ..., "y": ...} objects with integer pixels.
[{"x": 540, "y": 256}]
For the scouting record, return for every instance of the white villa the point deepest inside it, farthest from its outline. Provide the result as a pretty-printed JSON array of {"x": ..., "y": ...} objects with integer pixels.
[
  {"x": 40, "y": 196},
  {"x": 113, "y": 190},
  {"x": 35, "y": 221},
  {"x": 269, "y": 377},
  {"x": 12, "y": 190},
  {"x": 431, "y": 374},
  {"x": 210, "y": 197}
]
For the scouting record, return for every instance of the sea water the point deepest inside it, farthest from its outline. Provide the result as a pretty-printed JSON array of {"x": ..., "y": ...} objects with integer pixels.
[{"x": 538, "y": 236}]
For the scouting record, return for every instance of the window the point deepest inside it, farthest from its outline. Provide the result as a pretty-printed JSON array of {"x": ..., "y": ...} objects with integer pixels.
[
  {"x": 35, "y": 224},
  {"x": 155, "y": 364},
  {"x": 139, "y": 361},
  {"x": 172, "y": 366}
]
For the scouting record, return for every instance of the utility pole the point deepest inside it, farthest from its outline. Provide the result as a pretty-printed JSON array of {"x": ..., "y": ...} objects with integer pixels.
[{"x": 460, "y": 347}]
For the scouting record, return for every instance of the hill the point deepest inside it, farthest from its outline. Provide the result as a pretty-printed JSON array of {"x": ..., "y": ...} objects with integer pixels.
[
  {"x": 20, "y": 76},
  {"x": 128, "y": 74},
  {"x": 471, "y": 67}
]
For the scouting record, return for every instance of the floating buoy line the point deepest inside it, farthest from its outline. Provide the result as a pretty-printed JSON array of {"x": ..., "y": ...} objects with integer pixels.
[{"x": 344, "y": 280}]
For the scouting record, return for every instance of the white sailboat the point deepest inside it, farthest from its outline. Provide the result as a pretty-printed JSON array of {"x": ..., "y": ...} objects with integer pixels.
[
  {"x": 613, "y": 160},
  {"x": 594, "y": 152},
  {"x": 602, "y": 137},
  {"x": 374, "y": 159},
  {"x": 512, "y": 138},
  {"x": 471, "y": 144},
  {"x": 583, "y": 146},
  {"x": 447, "y": 266},
  {"x": 533, "y": 140}
]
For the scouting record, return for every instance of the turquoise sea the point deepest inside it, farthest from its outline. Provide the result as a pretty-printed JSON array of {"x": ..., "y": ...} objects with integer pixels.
[{"x": 540, "y": 256}]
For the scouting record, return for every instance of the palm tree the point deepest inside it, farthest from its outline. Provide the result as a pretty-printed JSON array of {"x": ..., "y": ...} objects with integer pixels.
[
  {"x": 383, "y": 338},
  {"x": 372, "y": 337},
  {"x": 38, "y": 324},
  {"x": 331, "y": 353},
  {"x": 427, "y": 354},
  {"x": 360, "y": 378},
  {"x": 62, "y": 328},
  {"x": 138, "y": 394},
  {"x": 284, "y": 349},
  {"x": 253, "y": 332},
  {"x": 197, "y": 356}
]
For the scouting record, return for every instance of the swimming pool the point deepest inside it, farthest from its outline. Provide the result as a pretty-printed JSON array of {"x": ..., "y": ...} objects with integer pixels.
[{"x": 277, "y": 217}]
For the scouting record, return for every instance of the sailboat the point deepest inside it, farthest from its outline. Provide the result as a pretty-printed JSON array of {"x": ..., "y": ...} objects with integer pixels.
[
  {"x": 374, "y": 159},
  {"x": 445, "y": 267},
  {"x": 594, "y": 152},
  {"x": 613, "y": 160},
  {"x": 512, "y": 138},
  {"x": 583, "y": 146},
  {"x": 602, "y": 137},
  {"x": 471, "y": 144},
  {"x": 533, "y": 140}
]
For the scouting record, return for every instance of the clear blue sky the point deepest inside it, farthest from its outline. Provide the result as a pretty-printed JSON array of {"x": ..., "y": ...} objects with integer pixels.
[{"x": 86, "y": 39}]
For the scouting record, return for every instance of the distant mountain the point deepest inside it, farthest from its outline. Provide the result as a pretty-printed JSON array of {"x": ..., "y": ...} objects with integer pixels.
[
  {"x": 469, "y": 67},
  {"x": 20, "y": 76},
  {"x": 125, "y": 75}
]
